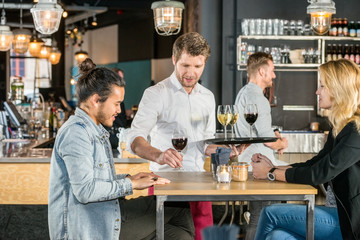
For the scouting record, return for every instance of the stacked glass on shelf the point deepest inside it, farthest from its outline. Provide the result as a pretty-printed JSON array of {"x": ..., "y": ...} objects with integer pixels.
[
  {"x": 281, "y": 55},
  {"x": 258, "y": 26},
  {"x": 341, "y": 27},
  {"x": 348, "y": 51}
]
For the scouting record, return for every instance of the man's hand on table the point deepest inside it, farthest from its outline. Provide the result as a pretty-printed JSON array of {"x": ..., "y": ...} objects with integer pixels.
[
  {"x": 170, "y": 157},
  {"x": 144, "y": 180}
]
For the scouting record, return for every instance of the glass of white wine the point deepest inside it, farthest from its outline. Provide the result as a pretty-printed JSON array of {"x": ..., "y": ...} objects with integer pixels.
[
  {"x": 224, "y": 116},
  {"x": 234, "y": 117}
]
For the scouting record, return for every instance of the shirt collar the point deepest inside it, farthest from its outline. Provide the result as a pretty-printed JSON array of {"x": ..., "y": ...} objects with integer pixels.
[
  {"x": 178, "y": 87},
  {"x": 102, "y": 133}
]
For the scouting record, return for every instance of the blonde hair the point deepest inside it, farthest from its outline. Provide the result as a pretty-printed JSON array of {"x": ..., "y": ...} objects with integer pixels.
[{"x": 341, "y": 78}]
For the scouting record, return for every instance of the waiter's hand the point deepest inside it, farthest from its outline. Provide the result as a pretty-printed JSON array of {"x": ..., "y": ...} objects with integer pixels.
[
  {"x": 237, "y": 150},
  {"x": 170, "y": 157}
]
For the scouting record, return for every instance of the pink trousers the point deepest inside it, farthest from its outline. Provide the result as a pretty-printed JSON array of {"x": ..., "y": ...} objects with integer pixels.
[{"x": 201, "y": 213}]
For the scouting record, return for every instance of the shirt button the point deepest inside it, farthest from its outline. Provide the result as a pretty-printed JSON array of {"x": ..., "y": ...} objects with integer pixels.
[
  {"x": 116, "y": 229},
  {"x": 100, "y": 165},
  {"x": 117, "y": 220}
]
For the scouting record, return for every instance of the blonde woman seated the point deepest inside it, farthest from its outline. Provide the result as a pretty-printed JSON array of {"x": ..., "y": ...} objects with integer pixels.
[{"x": 337, "y": 166}]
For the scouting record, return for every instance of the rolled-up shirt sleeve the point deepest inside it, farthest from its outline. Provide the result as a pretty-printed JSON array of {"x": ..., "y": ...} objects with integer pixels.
[{"x": 146, "y": 117}]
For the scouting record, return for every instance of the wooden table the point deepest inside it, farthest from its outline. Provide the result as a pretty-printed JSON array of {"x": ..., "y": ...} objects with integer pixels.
[{"x": 200, "y": 186}]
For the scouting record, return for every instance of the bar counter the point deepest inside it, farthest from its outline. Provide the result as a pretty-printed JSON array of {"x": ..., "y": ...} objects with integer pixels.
[{"x": 25, "y": 167}]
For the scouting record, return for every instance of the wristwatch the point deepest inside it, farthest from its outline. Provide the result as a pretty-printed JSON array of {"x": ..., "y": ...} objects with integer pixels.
[{"x": 271, "y": 175}]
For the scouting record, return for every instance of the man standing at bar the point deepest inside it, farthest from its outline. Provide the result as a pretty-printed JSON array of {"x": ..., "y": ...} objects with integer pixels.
[
  {"x": 179, "y": 102},
  {"x": 260, "y": 69}
]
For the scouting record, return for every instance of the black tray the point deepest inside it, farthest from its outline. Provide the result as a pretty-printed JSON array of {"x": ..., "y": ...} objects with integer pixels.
[{"x": 240, "y": 140}]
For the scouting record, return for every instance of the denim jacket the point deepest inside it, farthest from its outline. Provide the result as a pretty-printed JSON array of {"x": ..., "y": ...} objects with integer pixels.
[{"x": 84, "y": 189}]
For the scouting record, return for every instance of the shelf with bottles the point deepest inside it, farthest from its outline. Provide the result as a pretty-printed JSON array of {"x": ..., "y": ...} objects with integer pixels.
[{"x": 321, "y": 54}]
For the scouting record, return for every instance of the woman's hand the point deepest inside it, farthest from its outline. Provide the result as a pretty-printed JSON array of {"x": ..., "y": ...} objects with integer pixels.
[{"x": 261, "y": 166}]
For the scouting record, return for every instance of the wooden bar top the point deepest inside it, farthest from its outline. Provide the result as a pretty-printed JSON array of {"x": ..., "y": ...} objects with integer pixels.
[{"x": 202, "y": 183}]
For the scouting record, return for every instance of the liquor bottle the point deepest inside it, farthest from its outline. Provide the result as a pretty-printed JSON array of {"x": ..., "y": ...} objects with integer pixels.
[
  {"x": 340, "y": 32},
  {"x": 346, "y": 52},
  {"x": 357, "y": 54},
  {"x": 352, "y": 52},
  {"x": 358, "y": 29},
  {"x": 54, "y": 127},
  {"x": 328, "y": 53},
  {"x": 345, "y": 28},
  {"x": 340, "y": 52},
  {"x": 333, "y": 28},
  {"x": 352, "y": 29},
  {"x": 334, "y": 52}
]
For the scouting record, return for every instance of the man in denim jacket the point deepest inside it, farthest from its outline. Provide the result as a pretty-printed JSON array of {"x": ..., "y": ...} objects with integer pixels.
[{"x": 85, "y": 194}]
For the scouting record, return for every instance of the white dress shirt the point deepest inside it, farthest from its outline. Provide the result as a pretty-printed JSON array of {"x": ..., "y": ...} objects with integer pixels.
[
  {"x": 167, "y": 106},
  {"x": 252, "y": 93}
]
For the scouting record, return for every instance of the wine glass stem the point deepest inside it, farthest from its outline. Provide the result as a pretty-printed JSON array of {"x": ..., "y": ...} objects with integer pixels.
[
  {"x": 232, "y": 132},
  {"x": 250, "y": 131},
  {"x": 225, "y": 132}
]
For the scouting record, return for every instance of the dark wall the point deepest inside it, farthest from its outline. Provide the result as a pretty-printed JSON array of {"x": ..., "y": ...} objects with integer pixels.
[
  {"x": 139, "y": 41},
  {"x": 291, "y": 88}
]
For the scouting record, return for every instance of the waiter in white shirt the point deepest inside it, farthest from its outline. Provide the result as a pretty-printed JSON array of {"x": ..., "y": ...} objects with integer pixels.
[{"x": 179, "y": 102}]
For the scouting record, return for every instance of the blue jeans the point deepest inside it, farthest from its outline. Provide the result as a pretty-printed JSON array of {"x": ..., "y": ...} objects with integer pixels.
[{"x": 288, "y": 221}]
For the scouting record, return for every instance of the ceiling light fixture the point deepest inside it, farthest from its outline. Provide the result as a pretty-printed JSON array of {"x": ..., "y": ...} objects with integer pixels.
[
  {"x": 6, "y": 35},
  {"x": 35, "y": 45},
  {"x": 167, "y": 17},
  {"x": 80, "y": 55},
  {"x": 45, "y": 51},
  {"x": 320, "y": 13},
  {"x": 94, "y": 21},
  {"x": 21, "y": 37},
  {"x": 47, "y": 16},
  {"x": 55, "y": 54}
]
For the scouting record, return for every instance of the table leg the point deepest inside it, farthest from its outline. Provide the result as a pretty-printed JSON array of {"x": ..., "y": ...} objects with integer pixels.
[
  {"x": 160, "y": 217},
  {"x": 310, "y": 216}
]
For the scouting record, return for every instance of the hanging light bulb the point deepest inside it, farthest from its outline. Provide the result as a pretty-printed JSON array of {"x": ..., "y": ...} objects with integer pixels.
[
  {"x": 320, "y": 13},
  {"x": 6, "y": 35},
  {"x": 55, "y": 54},
  {"x": 45, "y": 51},
  {"x": 47, "y": 16},
  {"x": 80, "y": 56},
  {"x": 167, "y": 17},
  {"x": 65, "y": 14},
  {"x": 94, "y": 21},
  {"x": 35, "y": 45},
  {"x": 21, "y": 37}
]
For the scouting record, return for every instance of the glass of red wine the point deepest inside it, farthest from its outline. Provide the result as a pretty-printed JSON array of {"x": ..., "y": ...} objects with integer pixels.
[
  {"x": 179, "y": 140},
  {"x": 250, "y": 115}
]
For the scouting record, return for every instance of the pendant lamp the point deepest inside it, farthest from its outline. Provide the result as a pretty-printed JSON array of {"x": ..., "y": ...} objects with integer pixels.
[
  {"x": 6, "y": 35},
  {"x": 321, "y": 12},
  {"x": 167, "y": 17},
  {"x": 21, "y": 37},
  {"x": 47, "y": 16}
]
